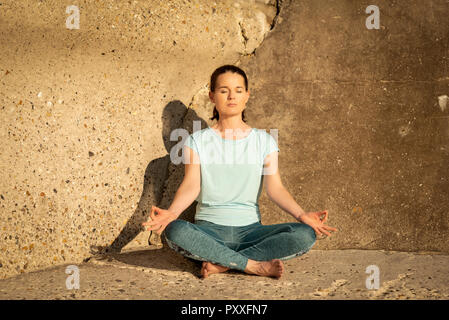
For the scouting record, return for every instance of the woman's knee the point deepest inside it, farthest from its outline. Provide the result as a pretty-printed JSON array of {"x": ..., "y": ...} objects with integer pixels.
[
  {"x": 305, "y": 235},
  {"x": 175, "y": 229}
]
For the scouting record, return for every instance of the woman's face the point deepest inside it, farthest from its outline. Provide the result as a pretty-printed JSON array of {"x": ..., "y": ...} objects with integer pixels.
[{"x": 230, "y": 96}]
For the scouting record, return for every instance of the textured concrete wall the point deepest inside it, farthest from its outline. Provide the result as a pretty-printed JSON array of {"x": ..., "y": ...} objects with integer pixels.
[
  {"x": 363, "y": 123},
  {"x": 362, "y": 130},
  {"x": 86, "y": 114}
]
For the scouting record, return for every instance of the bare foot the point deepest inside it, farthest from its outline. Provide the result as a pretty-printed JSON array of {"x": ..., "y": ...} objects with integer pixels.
[
  {"x": 210, "y": 268},
  {"x": 273, "y": 268}
]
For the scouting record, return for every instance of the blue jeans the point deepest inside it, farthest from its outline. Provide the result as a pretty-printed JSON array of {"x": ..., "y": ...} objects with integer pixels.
[{"x": 231, "y": 246}]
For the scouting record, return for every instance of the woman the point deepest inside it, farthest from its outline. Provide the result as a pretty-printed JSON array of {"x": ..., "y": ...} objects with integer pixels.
[{"x": 227, "y": 233}]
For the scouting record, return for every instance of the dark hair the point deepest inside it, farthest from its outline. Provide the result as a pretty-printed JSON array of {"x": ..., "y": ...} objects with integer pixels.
[{"x": 213, "y": 80}]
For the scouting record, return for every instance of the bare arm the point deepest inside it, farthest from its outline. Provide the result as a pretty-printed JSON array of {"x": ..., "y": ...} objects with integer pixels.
[
  {"x": 184, "y": 196},
  {"x": 191, "y": 184},
  {"x": 279, "y": 195},
  {"x": 276, "y": 190}
]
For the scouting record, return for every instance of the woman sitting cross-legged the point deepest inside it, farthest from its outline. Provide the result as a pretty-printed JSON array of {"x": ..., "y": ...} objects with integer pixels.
[{"x": 225, "y": 168}]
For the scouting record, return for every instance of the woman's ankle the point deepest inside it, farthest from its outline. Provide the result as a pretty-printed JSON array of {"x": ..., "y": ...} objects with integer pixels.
[
  {"x": 272, "y": 268},
  {"x": 251, "y": 266}
]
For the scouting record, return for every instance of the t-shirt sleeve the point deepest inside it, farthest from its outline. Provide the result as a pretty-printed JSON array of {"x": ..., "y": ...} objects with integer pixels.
[
  {"x": 270, "y": 146},
  {"x": 190, "y": 142}
]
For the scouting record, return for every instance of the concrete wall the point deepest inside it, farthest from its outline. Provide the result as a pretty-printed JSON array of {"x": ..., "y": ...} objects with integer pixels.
[
  {"x": 363, "y": 130},
  {"x": 87, "y": 114}
]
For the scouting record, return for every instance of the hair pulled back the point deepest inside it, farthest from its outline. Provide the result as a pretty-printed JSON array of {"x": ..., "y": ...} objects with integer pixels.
[{"x": 213, "y": 80}]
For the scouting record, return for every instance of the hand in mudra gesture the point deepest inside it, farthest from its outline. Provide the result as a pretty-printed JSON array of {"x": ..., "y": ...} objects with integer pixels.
[
  {"x": 159, "y": 221},
  {"x": 316, "y": 221}
]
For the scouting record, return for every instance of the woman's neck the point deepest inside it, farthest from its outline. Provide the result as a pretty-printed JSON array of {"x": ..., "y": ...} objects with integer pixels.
[{"x": 231, "y": 124}]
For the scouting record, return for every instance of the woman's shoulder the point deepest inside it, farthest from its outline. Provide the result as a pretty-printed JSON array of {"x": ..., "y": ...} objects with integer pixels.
[
  {"x": 264, "y": 133},
  {"x": 199, "y": 133}
]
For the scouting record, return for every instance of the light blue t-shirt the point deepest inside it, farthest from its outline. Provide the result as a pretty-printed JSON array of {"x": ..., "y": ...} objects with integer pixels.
[{"x": 231, "y": 175}]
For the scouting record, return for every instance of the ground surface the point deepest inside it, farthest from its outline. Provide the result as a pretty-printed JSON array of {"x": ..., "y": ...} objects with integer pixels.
[{"x": 159, "y": 273}]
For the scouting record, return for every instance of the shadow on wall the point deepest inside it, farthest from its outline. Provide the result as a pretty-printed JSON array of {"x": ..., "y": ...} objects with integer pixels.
[{"x": 160, "y": 182}]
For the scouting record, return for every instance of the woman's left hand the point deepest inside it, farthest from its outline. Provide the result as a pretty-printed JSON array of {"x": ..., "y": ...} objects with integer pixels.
[{"x": 316, "y": 221}]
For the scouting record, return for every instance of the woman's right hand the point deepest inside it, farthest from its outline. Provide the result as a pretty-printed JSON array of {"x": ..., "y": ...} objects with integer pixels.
[{"x": 160, "y": 220}]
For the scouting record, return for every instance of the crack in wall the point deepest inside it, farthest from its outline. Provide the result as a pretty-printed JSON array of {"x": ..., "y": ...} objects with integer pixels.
[
  {"x": 279, "y": 6},
  {"x": 260, "y": 15},
  {"x": 243, "y": 34}
]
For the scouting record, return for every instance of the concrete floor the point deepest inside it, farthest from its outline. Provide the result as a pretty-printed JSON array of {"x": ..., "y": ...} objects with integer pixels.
[{"x": 159, "y": 273}]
